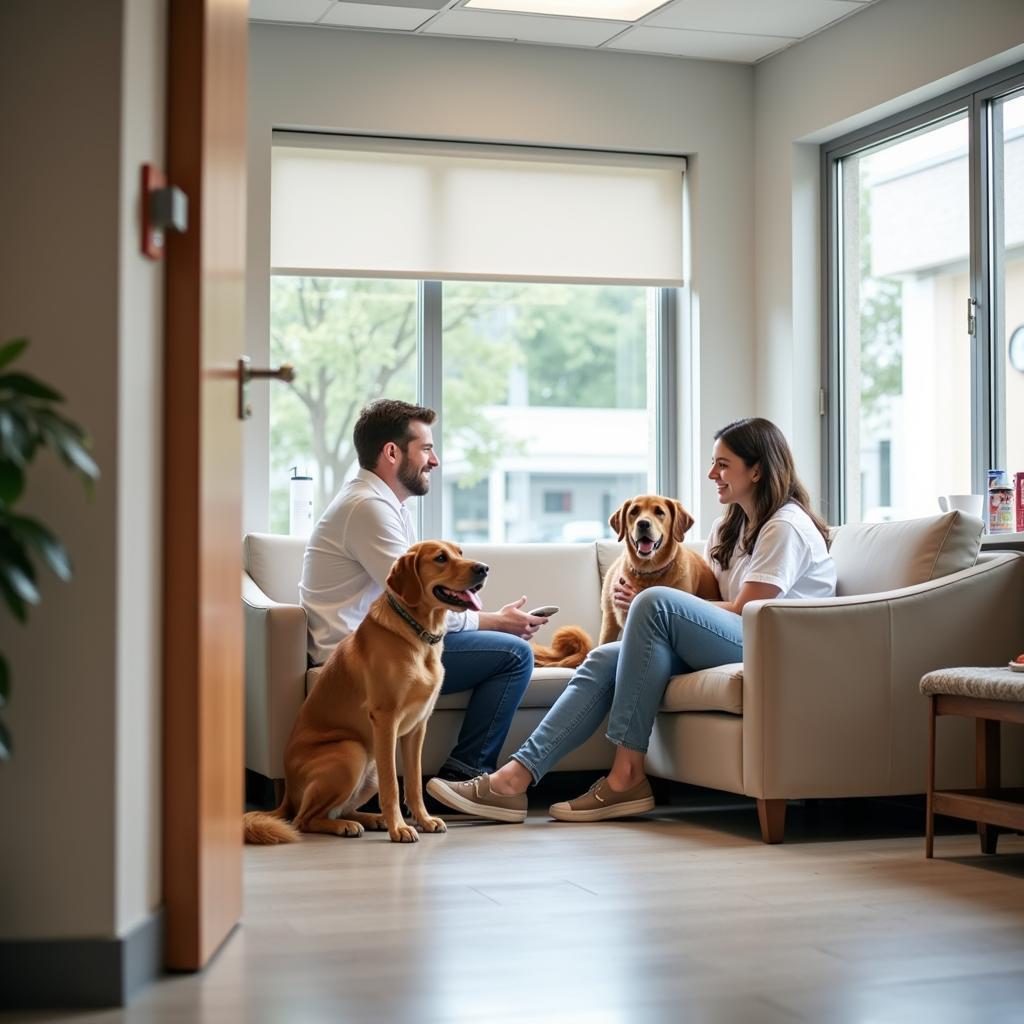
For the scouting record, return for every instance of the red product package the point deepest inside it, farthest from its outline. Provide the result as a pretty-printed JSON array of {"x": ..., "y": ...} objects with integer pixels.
[{"x": 1018, "y": 499}]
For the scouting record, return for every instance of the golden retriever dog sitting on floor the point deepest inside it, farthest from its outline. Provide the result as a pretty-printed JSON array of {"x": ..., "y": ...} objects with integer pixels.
[
  {"x": 377, "y": 689},
  {"x": 653, "y": 528}
]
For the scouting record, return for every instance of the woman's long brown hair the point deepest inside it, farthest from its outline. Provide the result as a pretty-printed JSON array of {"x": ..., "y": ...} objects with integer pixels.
[{"x": 758, "y": 441}]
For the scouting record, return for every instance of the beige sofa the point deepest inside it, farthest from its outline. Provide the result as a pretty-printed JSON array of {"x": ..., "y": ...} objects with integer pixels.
[{"x": 826, "y": 703}]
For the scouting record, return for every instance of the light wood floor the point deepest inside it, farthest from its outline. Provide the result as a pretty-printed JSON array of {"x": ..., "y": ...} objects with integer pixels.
[{"x": 681, "y": 917}]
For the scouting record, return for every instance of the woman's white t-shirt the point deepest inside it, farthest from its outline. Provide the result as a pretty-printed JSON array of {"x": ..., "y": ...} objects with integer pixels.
[{"x": 789, "y": 553}]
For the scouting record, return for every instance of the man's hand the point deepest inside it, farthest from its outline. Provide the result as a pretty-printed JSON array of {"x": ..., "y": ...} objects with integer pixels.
[
  {"x": 622, "y": 594},
  {"x": 512, "y": 619}
]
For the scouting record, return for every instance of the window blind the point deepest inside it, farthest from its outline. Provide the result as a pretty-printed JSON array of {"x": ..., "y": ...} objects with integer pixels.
[{"x": 372, "y": 207}]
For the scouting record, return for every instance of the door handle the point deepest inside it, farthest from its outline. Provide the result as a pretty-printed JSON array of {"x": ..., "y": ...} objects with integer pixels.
[{"x": 246, "y": 373}]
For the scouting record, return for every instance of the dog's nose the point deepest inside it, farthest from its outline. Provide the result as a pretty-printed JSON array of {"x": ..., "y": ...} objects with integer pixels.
[
  {"x": 644, "y": 523},
  {"x": 481, "y": 570}
]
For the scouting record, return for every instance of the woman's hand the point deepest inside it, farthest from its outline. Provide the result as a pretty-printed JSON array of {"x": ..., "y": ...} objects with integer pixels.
[
  {"x": 622, "y": 594},
  {"x": 512, "y": 619}
]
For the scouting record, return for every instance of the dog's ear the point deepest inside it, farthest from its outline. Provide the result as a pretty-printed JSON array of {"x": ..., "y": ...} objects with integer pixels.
[
  {"x": 681, "y": 521},
  {"x": 404, "y": 579},
  {"x": 618, "y": 519}
]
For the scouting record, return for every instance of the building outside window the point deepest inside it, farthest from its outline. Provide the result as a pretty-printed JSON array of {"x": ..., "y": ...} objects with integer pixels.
[{"x": 919, "y": 406}]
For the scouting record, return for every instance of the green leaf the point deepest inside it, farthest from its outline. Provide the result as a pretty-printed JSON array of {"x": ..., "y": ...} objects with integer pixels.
[
  {"x": 17, "y": 441},
  {"x": 6, "y": 748},
  {"x": 23, "y": 384},
  {"x": 15, "y": 605},
  {"x": 5, "y": 681},
  {"x": 12, "y": 483},
  {"x": 20, "y": 578},
  {"x": 44, "y": 541},
  {"x": 11, "y": 350},
  {"x": 75, "y": 455}
]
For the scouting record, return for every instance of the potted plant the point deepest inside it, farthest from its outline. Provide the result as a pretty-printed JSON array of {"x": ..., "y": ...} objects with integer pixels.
[{"x": 29, "y": 421}]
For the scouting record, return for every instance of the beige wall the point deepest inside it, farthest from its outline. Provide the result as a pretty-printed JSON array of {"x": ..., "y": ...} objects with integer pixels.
[
  {"x": 463, "y": 89},
  {"x": 888, "y": 58},
  {"x": 78, "y": 857}
]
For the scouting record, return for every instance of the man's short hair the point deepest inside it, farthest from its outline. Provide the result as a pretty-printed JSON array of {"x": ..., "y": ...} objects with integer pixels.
[{"x": 384, "y": 421}]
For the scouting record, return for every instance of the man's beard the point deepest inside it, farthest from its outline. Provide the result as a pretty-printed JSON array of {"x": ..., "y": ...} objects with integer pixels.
[{"x": 413, "y": 482}]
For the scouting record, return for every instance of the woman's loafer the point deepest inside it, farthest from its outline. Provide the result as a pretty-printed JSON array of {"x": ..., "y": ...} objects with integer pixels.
[
  {"x": 476, "y": 797},
  {"x": 601, "y": 802}
]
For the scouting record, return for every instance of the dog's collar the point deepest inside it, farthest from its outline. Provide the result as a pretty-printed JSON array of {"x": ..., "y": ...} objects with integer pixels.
[
  {"x": 426, "y": 637},
  {"x": 653, "y": 572}
]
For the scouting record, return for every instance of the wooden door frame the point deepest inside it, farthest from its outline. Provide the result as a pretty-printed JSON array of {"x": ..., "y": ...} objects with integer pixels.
[{"x": 202, "y": 626}]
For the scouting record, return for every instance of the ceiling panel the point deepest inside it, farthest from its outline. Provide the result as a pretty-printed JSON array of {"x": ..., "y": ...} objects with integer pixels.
[
  {"x": 429, "y": 5},
  {"x": 753, "y": 17},
  {"x": 374, "y": 16},
  {"x": 525, "y": 27},
  {"x": 288, "y": 10},
  {"x": 701, "y": 45}
]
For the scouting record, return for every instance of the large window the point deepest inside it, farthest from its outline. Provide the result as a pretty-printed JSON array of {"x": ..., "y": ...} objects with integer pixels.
[
  {"x": 549, "y": 417},
  {"x": 926, "y": 288},
  {"x": 528, "y": 296}
]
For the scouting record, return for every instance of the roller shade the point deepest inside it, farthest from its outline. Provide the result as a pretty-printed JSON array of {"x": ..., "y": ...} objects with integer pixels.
[{"x": 369, "y": 207}]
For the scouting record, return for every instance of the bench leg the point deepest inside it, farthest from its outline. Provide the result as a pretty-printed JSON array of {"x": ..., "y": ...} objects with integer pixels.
[
  {"x": 772, "y": 816},
  {"x": 987, "y": 774},
  {"x": 929, "y": 832}
]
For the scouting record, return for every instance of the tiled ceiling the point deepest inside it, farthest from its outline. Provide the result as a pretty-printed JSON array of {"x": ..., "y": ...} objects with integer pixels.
[{"x": 745, "y": 31}]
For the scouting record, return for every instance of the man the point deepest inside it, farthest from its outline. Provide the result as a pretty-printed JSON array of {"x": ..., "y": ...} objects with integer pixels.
[{"x": 347, "y": 560}]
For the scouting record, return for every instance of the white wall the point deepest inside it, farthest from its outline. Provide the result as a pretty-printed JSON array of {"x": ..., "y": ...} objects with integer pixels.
[
  {"x": 376, "y": 83},
  {"x": 886, "y": 59},
  {"x": 78, "y": 847}
]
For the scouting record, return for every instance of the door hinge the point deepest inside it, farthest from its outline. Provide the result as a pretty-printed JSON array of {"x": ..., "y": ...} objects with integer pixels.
[
  {"x": 972, "y": 319},
  {"x": 821, "y": 401}
]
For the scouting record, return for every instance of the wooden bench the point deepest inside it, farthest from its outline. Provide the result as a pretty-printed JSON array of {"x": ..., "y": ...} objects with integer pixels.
[{"x": 990, "y": 696}]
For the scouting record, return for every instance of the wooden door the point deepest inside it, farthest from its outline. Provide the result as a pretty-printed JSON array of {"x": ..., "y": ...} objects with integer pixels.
[{"x": 202, "y": 636}]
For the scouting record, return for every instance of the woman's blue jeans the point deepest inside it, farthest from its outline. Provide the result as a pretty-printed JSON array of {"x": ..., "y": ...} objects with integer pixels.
[{"x": 667, "y": 632}]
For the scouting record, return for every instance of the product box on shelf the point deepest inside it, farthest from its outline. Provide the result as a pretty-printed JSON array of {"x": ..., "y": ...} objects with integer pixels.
[{"x": 1018, "y": 500}]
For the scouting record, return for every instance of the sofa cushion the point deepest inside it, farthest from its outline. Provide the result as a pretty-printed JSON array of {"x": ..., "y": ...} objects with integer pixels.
[
  {"x": 710, "y": 689},
  {"x": 561, "y": 574},
  {"x": 875, "y": 557},
  {"x": 274, "y": 561}
]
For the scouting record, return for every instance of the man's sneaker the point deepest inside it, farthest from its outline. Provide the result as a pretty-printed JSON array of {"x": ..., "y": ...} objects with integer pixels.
[
  {"x": 601, "y": 802},
  {"x": 475, "y": 797}
]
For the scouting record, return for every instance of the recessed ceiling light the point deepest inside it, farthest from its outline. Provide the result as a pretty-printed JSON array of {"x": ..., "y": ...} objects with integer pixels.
[{"x": 607, "y": 10}]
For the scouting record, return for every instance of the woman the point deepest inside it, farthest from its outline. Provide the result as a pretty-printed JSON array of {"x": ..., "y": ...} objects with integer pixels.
[{"x": 769, "y": 544}]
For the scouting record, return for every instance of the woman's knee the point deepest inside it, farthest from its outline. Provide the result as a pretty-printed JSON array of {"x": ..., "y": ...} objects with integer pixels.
[
  {"x": 655, "y": 600},
  {"x": 599, "y": 666}
]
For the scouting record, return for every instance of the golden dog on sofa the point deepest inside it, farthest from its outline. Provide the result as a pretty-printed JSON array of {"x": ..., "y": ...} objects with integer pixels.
[
  {"x": 653, "y": 528},
  {"x": 377, "y": 688}
]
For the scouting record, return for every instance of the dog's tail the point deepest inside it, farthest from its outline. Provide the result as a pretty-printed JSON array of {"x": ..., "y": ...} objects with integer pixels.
[
  {"x": 267, "y": 828},
  {"x": 569, "y": 646}
]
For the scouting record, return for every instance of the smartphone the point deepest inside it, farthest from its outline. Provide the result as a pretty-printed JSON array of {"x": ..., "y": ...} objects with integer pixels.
[{"x": 545, "y": 611}]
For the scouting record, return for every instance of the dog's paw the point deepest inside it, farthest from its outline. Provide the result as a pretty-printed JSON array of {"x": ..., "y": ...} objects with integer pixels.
[
  {"x": 377, "y": 823},
  {"x": 433, "y": 825},
  {"x": 350, "y": 829},
  {"x": 403, "y": 834}
]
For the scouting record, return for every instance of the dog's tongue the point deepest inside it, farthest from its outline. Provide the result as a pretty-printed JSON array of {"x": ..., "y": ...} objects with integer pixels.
[
  {"x": 645, "y": 546},
  {"x": 470, "y": 598}
]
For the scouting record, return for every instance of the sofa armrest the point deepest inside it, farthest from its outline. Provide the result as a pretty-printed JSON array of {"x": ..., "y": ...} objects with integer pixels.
[
  {"x": 275, "y": 676},
  {"x": 831, "y": 705}
]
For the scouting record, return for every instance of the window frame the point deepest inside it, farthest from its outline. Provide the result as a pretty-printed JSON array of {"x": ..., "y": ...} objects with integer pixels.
[
  {"x": 988, "y": 441},
  {"x": 430, "y": 384}
]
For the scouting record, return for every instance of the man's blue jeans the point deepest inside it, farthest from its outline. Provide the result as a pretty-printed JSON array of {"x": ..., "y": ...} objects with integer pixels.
[
  {"x": 497, "y": 668},
  {"x": 667, "y": 632}
]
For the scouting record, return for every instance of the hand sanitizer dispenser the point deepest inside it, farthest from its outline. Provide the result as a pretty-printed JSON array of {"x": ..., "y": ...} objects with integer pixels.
[{"x": 300, "y": 517}]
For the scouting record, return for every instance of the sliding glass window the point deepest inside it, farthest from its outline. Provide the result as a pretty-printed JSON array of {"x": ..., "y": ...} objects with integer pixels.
[
  {"x": 925, "y": 236},
  {"x": 554, "y": 394}
]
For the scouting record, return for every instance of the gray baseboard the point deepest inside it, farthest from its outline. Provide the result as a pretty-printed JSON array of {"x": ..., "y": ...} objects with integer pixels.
[{"x": 80, "y": 973}]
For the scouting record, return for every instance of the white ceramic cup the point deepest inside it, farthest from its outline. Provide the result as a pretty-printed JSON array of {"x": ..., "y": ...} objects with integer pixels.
[{"x": 972, "y": 504}]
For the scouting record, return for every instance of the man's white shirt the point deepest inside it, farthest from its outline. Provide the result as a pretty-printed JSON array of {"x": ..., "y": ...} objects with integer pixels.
[{"x": 348, "y": 557}]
